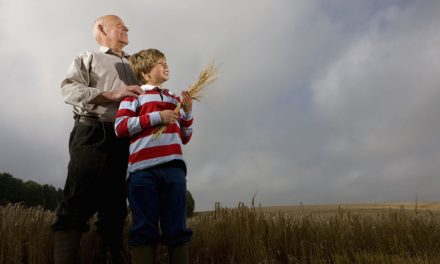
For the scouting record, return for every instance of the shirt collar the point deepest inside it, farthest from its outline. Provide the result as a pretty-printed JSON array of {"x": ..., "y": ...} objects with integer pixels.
[
  {"x": 105, "y": 49},
  {"x": 149, "y": 87}
]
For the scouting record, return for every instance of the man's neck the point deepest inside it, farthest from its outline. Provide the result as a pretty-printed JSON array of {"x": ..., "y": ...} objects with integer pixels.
[
  {"x": 116, "y": 49},
  {"x": 118, "y": 52}
]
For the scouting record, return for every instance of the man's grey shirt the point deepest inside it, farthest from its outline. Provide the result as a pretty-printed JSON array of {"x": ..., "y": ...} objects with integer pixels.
[{"x": 92, "y": 73}]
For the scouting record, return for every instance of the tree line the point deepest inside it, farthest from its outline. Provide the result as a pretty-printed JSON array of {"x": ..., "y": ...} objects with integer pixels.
[{"x": 29, "y": 193}]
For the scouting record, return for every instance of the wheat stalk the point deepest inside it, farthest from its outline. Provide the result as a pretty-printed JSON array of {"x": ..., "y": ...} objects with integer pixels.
[{"x": 207, "y": 76}]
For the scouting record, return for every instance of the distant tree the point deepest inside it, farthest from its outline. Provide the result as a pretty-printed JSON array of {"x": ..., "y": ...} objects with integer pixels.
[
  {"x": 11, "y": 189},
  {"x": 189, "y": 204},
  {"x": 30, "y": 193},
  {"x": 50, "y": 197},
  {"x": 33, "y": 194}
]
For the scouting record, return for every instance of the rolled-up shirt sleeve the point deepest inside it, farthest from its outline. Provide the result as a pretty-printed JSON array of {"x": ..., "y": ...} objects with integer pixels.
[{"x": 75, "y": 88}]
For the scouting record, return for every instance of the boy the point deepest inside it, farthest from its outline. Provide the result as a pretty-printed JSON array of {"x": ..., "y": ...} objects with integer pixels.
[{"x": 157, "y": 172}]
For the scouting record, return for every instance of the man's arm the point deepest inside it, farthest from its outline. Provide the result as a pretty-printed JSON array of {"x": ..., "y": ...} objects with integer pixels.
[
  {"x": 76, "y": 91},
  {"x": 74, "y": 87}
]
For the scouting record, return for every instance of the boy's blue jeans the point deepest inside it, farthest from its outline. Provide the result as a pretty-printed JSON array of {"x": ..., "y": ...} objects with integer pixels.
[{"x": 156, "y": 195}]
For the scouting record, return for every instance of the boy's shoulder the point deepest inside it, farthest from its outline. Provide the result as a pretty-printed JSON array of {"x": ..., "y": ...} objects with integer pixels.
[{"x": 163, "y": 91}]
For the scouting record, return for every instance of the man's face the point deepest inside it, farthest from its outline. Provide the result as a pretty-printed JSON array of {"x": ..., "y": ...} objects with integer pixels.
[{"x": 116, "y": 32}]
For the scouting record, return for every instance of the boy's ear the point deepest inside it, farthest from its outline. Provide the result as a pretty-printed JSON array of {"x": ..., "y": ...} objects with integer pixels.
[{"x": 146, "y": 76}]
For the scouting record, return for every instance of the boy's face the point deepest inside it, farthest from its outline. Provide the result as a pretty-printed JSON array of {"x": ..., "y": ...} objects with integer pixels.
[{"x": 159, "y": 74}]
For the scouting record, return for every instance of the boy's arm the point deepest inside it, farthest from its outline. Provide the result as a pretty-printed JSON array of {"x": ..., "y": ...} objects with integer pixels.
[
  {"x": 186, "y": 121},
  {"x": 128, "y": 123}
]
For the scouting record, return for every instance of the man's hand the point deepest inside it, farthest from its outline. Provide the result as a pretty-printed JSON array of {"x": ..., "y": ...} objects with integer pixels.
[
  {"x": 118, "y": 94},
  {"x": 124, "y": 91},
  {"x": 168, "y": 116}
]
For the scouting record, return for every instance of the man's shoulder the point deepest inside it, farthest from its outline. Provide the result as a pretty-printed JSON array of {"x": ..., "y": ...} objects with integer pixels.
[
  {"x": 90, "y": 56},
  {"x": 84, "y": 55}
]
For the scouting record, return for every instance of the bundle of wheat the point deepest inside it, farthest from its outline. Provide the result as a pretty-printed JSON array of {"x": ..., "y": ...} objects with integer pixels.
[{"x": 206, "y": 77}]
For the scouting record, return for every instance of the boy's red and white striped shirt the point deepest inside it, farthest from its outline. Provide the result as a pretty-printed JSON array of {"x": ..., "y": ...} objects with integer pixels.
[{"x": 139, "y": 118}]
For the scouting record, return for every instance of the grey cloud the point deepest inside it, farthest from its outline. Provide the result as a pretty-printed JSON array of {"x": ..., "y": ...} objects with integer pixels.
[{"x": 318, "y": 102}]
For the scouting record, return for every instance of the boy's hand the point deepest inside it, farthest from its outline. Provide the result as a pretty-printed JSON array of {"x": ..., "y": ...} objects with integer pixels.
[
  {"x": 168, "y": 117},
  {"x": 186, "y": 102}
]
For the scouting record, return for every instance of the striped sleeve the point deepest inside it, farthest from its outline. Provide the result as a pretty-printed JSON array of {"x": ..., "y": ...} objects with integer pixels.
[
  {"x": 128, "y": 123},
  {"x": 186, "y": 129}
]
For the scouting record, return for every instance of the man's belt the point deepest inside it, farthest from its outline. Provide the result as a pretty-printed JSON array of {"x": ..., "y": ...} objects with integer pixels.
[{"x": 92, "y": 120}]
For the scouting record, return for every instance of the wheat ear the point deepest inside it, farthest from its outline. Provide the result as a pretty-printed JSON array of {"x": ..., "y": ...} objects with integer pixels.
[{"x": 207, "y": 76}]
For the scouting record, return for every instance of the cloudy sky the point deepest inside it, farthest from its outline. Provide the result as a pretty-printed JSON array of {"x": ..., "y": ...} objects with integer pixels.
[{"x": 318, "y": 101}]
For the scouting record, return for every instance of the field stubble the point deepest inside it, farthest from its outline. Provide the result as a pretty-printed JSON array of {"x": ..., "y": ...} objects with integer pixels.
[{"x": 364, "y": 233}]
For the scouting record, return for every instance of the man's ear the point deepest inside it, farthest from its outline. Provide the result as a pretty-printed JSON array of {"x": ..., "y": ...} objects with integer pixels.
[{"x": 101, "y": 29}]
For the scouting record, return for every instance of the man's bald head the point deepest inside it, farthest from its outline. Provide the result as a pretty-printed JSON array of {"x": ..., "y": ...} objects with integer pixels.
[{"x": 110, "y": 31}]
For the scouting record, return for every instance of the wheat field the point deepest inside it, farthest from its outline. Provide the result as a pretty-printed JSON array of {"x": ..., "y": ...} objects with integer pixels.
[{"x": 363, "y": 233}]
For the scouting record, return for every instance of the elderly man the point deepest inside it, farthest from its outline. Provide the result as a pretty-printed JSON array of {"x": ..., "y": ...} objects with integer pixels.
[{"x": 95, "y": 84}]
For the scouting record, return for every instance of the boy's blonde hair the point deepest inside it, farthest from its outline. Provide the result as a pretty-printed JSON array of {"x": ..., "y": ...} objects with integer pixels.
[{"x": 143, "y": 62}]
